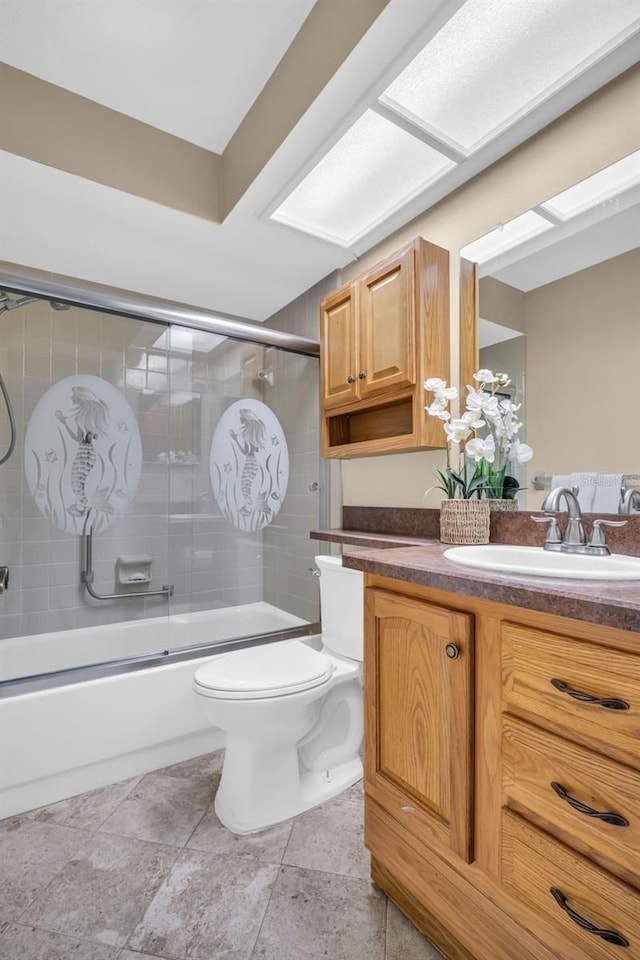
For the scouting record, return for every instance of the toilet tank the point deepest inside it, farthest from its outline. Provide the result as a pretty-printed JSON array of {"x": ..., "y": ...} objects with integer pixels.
[{"x": 341, "y": 607}]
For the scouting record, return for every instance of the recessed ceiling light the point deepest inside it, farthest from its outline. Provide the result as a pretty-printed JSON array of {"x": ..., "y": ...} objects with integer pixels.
[
  {"x": 504, "y": 237},
  {"x": 602, "y": 186},
  {"x": 371, "y": 171},
  {"x": 495, "y": 60}
]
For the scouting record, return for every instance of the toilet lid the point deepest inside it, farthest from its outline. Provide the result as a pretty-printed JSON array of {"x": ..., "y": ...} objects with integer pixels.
[{"x": 269, "y": 670}]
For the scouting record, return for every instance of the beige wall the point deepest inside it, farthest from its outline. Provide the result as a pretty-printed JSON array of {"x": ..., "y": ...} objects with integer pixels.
[
  {"x": 501, "y": 303},
  {"x": 583, "y": 371},
  {"x": 594, "y": 134}
]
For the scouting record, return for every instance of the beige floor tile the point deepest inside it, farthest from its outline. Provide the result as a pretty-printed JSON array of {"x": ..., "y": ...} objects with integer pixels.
[
  {"x": 315, "y": 916},
  {"x": 356, "y": 792},
  {"x": 404, "y": 941},
  {"x": 30, "y": 943},
  {"x": 203, "y": 768},
  {"x": 330, "y": 838},
  {"x": 160, "y": 809},
  {"x": 209, "y": 907},
  {"x": 134, "y": 955},
  {"x": 102, "y": 894},
  {"x": 31, "y": 854},
  {"x": 268, "y": 845},
  {"x": 87, "y": 810}
]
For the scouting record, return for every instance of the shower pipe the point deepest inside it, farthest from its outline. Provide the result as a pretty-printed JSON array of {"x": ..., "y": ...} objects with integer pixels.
[
  {"x": 87, "y": 575},
  {"x": 12, "y": 422},
  {"x": 28, "y": 281}
]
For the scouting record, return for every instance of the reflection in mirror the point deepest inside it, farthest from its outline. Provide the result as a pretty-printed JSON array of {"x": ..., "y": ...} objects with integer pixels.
[{"x": 559, "y": 310}]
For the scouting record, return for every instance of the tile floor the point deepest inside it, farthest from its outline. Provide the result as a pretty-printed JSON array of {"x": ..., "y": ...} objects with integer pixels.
[{"x": 143, "y": 870}]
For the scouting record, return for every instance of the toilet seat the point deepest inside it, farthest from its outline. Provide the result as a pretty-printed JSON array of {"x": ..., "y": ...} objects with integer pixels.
[{"x": 260, "y": 672}]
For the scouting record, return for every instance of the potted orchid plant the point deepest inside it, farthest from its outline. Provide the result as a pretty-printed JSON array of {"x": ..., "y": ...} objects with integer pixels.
[{"x": 482, "y": 441}]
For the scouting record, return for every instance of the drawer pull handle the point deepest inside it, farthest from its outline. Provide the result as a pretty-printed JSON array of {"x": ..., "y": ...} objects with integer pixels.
[
  {"x": 611, "y": 936},
  {"x": 609, "y": 703},
  {"x": 613, "y": 818}
]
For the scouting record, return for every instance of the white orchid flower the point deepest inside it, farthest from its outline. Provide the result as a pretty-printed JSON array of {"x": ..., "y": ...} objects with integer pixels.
[
  {"x": 480, "y": 449},
  {"x": 434, "y": 384},
  {"x": 521, "y": 451},
  {"x": 457, "y": 431},
  {"x": 489, "y": 406},
  {"x": 480, "y": 400},
  {"x": 450, "y": 393},
  {"x": 485, "y": 376},
  {"x": 438, "y": 409},
  {"x": 471, "y": 417}
]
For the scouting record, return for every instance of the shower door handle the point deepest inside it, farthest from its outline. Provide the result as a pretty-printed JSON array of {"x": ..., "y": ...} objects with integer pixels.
[{"x": 4, "y": 579}]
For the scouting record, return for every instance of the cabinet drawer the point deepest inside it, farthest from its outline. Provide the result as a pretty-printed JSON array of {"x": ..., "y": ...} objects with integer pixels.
[
  {"x": 534, "y": 865},
  {"x": 555, "y": 782},
  {"x": 590, "y": 691}
]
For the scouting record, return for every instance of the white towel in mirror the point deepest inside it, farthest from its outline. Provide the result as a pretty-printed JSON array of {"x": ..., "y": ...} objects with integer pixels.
[
  {"x": 607, "y": 493},
  {"x": 586, "y": 483}
]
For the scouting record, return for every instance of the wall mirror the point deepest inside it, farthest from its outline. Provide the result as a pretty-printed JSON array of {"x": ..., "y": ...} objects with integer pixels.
[{"x": 559, "y": 310}]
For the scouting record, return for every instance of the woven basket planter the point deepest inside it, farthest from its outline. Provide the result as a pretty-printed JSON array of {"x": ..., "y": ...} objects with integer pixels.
[
  {"x": 498, "y": 505},
  {"x": 464, "y": 521}
]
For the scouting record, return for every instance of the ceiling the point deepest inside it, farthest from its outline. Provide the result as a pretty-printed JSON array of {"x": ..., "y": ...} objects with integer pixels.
[
  {"x": 189, "y": 67},
  {"x": 197, "y": 69}
]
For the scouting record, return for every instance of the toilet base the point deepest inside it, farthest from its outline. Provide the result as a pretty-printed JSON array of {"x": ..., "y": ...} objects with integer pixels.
[{"x": 313, "y": 789}]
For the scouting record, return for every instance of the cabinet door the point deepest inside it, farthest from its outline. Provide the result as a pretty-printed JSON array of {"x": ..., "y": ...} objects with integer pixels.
[
  {"x": 338, "y": 355},
  {"x": 418, "y": 679},
  {"x": 387, "y": 326}
]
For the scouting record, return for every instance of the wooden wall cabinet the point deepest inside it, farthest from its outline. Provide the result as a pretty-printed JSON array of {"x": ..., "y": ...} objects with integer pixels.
[
  {"x": 502, "y": 775},
  {"x": 380, "y": 337}
]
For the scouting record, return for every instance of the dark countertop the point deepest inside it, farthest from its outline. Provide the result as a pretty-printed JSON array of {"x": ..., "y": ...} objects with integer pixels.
[
  {"x": 612, "y": 604},
  {"x": 364, "y": 538}
]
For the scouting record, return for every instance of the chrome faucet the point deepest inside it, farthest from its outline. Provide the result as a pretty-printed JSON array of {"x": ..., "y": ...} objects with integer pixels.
[
  {"x": 629, "y": 501},
  {"x": 4, "y": 579},
  {"x": 574, "y": 536},
  {"x": 575, "y": 540}
]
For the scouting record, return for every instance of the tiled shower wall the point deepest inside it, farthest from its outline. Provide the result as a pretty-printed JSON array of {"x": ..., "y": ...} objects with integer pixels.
[{"x": 178, "y": 387}]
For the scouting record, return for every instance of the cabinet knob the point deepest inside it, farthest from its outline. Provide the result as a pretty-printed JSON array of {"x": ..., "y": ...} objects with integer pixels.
[
  {"x": 351, "y": 378},
  {"x": 362, "y": 374},
  {"x": 452, "y": 651}
]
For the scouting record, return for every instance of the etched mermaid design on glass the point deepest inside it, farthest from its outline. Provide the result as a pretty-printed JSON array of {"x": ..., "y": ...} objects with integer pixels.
[
  {"x": 249, "y": 465},
  {"x": 83, "y": 454}
]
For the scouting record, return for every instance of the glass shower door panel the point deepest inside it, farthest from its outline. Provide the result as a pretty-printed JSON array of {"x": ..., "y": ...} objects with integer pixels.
[
  {"x": 90, "y": 398},
  {"x": 243, "y": 506}
]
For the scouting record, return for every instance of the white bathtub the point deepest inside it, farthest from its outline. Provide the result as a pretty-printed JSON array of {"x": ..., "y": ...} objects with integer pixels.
[{"x": 64, "y": 740}]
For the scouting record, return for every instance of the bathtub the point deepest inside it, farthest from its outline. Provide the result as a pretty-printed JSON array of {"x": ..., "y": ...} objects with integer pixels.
[{"x": 58, "y": 741}]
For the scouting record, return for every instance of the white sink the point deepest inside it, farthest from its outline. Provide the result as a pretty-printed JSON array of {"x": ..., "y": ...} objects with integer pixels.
[{"x": 546, "y": 563}]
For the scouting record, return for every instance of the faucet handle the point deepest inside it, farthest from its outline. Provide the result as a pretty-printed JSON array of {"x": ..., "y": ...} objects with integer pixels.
[
  {"x": 597, "y": 540},
  {"x": 553, "y": 534}
]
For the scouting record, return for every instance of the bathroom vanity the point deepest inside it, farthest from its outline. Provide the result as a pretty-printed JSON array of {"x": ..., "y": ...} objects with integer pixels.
[{"x": 502, "y": 760}]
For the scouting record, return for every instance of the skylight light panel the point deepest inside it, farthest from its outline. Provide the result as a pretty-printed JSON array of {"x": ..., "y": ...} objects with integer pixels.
[
  {"x": 374, "y": 169},
  {"x": 495, "y": 60},
  {"x": 505, "y": 237},
  {"x": 602, "y": 186}
]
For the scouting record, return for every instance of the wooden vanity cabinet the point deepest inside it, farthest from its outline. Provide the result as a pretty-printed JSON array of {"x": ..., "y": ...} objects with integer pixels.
[
  {"x": 502, "y": 775},
  {"x": 419, "y": 717},
  {"x": 380, "y": 337}
]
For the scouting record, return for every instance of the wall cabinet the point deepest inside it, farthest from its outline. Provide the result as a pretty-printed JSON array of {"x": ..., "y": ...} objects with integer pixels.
[
  {"x": 380, "y": 337},
  {"x": 502, "y": 775}
]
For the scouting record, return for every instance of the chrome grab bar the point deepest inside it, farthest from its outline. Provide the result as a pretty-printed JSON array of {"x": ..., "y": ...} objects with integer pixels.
[{"x": 87, "y": 575}]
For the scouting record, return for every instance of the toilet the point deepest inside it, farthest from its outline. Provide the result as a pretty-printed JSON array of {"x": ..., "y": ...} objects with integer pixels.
[{"x": 293, "y": 715}]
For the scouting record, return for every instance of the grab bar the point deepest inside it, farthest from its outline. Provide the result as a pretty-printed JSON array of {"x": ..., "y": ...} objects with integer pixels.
[{"x": 87, "y": 575}]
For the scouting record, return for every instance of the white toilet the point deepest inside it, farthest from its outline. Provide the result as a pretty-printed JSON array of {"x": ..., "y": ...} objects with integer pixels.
[{"x": 293, "y": 716}]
